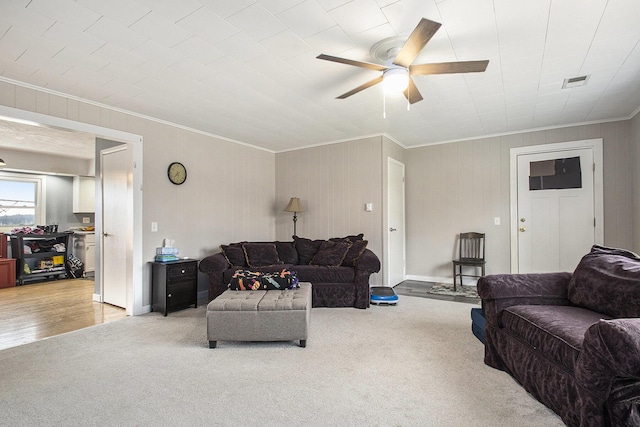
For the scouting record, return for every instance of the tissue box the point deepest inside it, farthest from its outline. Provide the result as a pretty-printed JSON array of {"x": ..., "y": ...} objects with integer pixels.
[{"x": 166, "y": 250}]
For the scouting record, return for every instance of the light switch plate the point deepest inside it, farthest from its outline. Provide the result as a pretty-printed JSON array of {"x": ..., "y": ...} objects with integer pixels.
[
  {"x": 496, "y": 220},
  {"x": 154, "y": 226}
]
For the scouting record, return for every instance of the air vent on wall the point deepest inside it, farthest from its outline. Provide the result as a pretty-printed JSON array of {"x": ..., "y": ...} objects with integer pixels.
[{"x": 575, "y": 82}]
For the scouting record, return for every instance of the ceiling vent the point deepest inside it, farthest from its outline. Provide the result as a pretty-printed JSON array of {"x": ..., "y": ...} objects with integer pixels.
[{"x": 575, "y": 82}]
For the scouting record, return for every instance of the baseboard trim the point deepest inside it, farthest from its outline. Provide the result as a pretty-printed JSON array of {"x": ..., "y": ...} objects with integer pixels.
[
  {"x": 97, "y": 297},
  {"x": 448, "y": 280},
  {"x": 429, "y": 279}
]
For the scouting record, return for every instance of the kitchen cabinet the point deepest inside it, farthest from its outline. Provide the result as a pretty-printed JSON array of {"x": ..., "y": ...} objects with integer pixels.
[
  {"x": 84, "y": 194},
  {"x": 7, "y": 272}
]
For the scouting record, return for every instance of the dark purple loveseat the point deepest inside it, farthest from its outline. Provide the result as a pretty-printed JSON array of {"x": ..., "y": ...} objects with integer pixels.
[
  {"x": 571, "y": 340},
  {"x": 338, "y": 268}
]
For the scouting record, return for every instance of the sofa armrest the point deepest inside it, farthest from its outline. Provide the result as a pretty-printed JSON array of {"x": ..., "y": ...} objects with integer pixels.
[
  {"x": 214, "y": 266},
  {"x": 215, "y": 262},
  {"x": 500, "y": 291},
  {"x": 368, "y": 262},
  {"x": 609, "y": 351}
]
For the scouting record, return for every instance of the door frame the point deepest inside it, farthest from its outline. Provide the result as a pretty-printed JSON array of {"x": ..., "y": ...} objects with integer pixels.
[
  {"x": 598, "y": 193},
  {"x": 135, "y": 281},
  {"x": 387, "y": 239}
]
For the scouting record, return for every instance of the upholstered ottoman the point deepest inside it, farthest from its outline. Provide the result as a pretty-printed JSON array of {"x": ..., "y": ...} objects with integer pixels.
[{"x": 260, "y": 316}]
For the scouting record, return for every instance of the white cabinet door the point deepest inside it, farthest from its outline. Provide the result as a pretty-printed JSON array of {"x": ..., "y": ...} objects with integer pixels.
[{"x": 84, "y": 194}]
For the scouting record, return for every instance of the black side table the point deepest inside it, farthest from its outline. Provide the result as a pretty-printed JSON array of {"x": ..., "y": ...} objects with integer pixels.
[{"x": 174, "y": 285}]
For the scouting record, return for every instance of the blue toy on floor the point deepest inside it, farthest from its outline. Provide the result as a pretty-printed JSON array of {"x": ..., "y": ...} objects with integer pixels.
[{"x": 383, "y": 295}]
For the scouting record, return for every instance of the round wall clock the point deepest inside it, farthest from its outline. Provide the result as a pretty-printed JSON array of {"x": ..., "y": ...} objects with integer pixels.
[{"x": 177, "y": 173}]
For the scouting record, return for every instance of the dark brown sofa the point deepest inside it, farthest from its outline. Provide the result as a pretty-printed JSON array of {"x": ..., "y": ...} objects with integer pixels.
[
  {"x": 571, "y": 340},
  {"x": 338, "y": 268}
]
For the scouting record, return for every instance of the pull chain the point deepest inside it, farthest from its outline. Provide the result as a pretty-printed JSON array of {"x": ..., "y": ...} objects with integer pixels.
[{"x": 384, "y": 106}]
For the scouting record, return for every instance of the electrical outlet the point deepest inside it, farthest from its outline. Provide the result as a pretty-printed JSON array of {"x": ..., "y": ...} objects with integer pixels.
[{"x": 86, "y": 220}]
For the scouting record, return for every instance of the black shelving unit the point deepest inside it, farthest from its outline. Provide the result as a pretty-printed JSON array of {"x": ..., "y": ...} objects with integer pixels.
[{"x": 44, "y": 260}]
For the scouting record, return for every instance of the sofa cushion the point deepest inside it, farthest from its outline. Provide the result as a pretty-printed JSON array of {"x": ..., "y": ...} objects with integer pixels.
[
  {"x": 557, "y": 331},
  {"x": 306, "y": 249},
  {"x": 330, "y": 254},
  {"x": 261, "y": 254},
  {"x": 319, "y": 274},
  {"x": 607, "y": 280},
  {"x": 234, "y": 254}
]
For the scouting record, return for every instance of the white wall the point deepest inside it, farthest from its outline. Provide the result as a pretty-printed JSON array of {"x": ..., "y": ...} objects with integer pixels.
[
  {"x": 635, "y": 169},
  {"x": 229, "y": 194},
  {"x": 457, "y": 187},
  {"x": 333, "y": 183}
]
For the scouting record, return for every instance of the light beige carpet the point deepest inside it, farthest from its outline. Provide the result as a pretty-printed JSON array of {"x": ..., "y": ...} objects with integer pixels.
[{"x": 414, "y": 364}]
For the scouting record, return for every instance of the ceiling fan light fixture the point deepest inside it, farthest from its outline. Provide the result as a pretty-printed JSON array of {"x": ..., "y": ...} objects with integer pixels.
[{"x": 395, "y": 80}]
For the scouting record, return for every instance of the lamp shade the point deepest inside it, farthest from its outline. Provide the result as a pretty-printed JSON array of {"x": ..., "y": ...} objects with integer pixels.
[{"x": 294, "y": 205}]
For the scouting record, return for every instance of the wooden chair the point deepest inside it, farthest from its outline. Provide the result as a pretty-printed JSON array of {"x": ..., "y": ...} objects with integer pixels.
[{"x": 471, "y": 255}]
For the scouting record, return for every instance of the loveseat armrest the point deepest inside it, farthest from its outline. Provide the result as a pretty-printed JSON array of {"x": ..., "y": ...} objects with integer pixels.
[
  {"x": 500, "y": 291},
  {"x": 610, "y": 351},
  {"x": 214, "y": 266}
]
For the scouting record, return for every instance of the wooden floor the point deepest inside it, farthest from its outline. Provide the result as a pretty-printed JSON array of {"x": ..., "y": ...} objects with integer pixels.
[{"x": 39, "y": 310}]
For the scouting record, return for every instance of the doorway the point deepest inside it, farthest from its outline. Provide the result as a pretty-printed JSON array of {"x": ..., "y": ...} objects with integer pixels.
[
  {"x": 556, "y": 205},
  {"x": 395, "y": 265},
  {"x": 134, "y": 248}
]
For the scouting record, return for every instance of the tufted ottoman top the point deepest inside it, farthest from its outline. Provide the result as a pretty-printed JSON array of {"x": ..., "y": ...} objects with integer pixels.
[{"x": 294, "y": 299}]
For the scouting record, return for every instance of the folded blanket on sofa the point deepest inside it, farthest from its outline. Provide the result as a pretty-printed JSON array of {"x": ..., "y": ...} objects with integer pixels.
[{"x": 245, "y": 280}]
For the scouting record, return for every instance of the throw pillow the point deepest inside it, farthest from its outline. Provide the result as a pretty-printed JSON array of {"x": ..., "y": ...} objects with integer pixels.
[
  {"x": 355, "y": 251},
  {"x": 358, "y": 245},
  {"x": 287, "y": 252},
  {"x": 261, "y": 254},
  {"x": 234, "y": 254},
  {"x": 306, "y": 248},
  {"x": 607, "y": 280},
  {"x": 330, "y": 254}
]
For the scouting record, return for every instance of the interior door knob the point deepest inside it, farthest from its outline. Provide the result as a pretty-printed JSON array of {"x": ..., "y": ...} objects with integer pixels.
[
  {"x": 523, "y": 229},
  {"x": 392, "y": 229}
]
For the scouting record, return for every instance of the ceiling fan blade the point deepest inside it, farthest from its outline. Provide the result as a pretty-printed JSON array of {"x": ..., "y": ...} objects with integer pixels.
[
  {"x": 360, "y": 88},
  {"x": 412, "y": 93},
  {"x": 368, "y": 65},
  {"x": 448, "y": 67},
  {"x": 416, "y": 41}
]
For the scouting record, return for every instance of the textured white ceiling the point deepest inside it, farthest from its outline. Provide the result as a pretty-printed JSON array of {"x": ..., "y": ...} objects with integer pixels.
[{"x": 247, "y": 70}]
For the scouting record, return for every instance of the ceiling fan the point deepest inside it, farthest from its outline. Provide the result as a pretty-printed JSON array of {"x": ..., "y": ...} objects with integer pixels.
[{"x": 401, "y": 68}]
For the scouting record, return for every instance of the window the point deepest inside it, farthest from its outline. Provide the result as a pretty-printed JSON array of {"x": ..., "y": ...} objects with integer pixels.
[
  {"x": 21, "y": 201},
  {"x": 558, "y": 174}
]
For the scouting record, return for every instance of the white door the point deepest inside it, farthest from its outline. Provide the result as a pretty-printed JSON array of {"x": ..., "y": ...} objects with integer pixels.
[
  {"x": 396, "y": 230},
  {"x": 555, "y": 209},
  {"x": 115, "y": 208}
]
